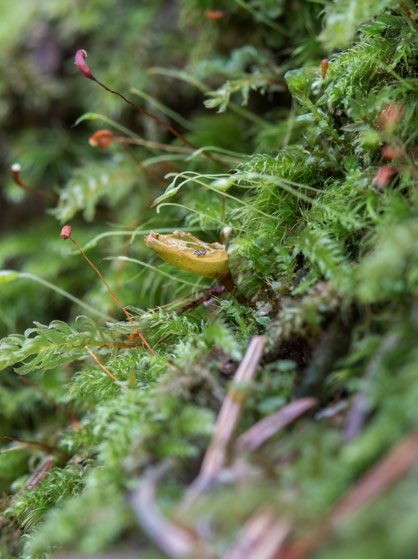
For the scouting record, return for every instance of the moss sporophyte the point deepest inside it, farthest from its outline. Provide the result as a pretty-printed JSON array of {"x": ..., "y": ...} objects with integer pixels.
[
  {"x": 80, "y": 62},
  {"x": 65, "y": 234}
]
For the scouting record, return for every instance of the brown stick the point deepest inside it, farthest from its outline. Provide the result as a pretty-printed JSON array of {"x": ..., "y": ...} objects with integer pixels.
[
  {"x": 231, "y": 410},
  {"x": 261, "y": 537},
  {"x": 259, "y": 433},
  {"x": 175, "y": 540},
  {"x": 229, "y": 415}
]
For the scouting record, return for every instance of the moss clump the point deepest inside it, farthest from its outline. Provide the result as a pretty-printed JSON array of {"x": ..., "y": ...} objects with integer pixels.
[{"x": 309, "y": 178}]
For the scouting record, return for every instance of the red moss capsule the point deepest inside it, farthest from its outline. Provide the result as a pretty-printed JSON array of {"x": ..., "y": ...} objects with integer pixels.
[
  {"x": 390, "y": 152},
  {"x": 384, "y": 176},
  {"x": 66, "y": 232},
  {"x": 80, "y": 62},
  {"x": 215, "y": 15},
  {"x": 390, "y": 115},
  {"x": 101, "y": 139}
]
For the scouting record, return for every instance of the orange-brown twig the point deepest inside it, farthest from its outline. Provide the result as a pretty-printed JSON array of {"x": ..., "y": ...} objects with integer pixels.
[{"x": 103, "y": 368}]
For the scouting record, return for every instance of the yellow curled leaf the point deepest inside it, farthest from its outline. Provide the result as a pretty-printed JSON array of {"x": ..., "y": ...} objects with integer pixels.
[{"x": 186, "y": 252}]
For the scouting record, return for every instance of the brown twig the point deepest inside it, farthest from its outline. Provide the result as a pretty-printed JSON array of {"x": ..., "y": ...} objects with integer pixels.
[
  {"x": 264, "y": 429},
  {"x": 229, "y": 415},
  {"x": 43, "y": 446},
  {"x": 210, "y": 293},
  {"x": 231, "y": 410},
  {"x": 173, "y": 539},
  {"x": 34, "y": 480},
  {"x": 261, "y": 536},
  {"x": 41, "y": 473}
]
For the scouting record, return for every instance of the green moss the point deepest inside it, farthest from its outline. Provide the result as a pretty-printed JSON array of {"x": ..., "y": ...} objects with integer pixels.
[{"x": 321, "y": 245}]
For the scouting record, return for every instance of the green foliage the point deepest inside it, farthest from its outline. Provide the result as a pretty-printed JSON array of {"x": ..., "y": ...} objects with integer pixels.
[
  {"x": 46, "y": 347},
  {"x": 321, "y": 242},
  {"x": 390, "y": 270},
  {"x": 89, "y": 187},
  {"x": 245, "y": 83},
  {"x": 342, "y": 20}
]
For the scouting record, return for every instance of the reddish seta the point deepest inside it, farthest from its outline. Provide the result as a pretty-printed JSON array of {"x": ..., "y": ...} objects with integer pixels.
[{"x": 324, "y": 67}]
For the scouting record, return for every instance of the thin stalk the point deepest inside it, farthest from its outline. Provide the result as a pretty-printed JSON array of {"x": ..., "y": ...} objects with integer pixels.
[
  {"x": 85, "y": 70},
  {"x": 65, "y": 294},
  {"x": 105, "y": 370},
  {"x": 163, "y": 108},
  {"x": 15, "y": 169},
  {"x": 154, "y": 268},
  {"x": 112, "y": 294}
]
